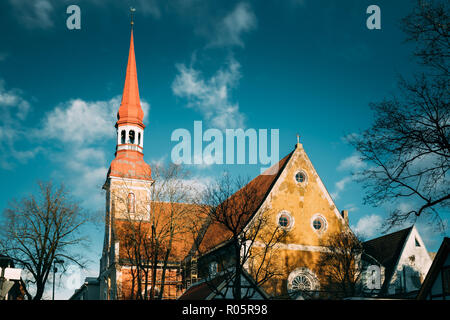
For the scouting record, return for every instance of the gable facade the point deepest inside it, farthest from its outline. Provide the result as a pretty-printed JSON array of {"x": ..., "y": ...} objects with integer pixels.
[
  {"x": 412, "y": 266},
  {"x": 404, "y": 261},
  {"x": 298, "y": 200}
]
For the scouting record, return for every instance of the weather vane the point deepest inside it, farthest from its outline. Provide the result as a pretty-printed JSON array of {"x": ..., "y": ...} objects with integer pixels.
[{"x": 132, "y": 10}]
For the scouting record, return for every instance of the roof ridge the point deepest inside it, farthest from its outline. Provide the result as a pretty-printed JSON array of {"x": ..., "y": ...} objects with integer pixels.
[
  {"x": 390, "y": 234},
  {"x": 285, "y": 160}
]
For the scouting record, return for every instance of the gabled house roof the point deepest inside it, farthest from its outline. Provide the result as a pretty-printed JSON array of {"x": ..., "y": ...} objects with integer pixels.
[
  {"x": 387, "y": 250},
  {"x": 202, "y": 289},
  {"x": 209, "y": 289},
  {"x": 436, "y": 266}
]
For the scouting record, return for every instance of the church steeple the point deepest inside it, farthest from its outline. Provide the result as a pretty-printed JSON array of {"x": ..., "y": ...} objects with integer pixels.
[
  {"x": 130, "y": 110},
  {"x": 129, "y": 161}
]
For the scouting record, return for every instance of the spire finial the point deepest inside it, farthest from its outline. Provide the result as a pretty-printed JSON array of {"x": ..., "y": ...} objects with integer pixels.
[
  {"x": 131, "y": 11},
  {"x": 298, "y": 145}
]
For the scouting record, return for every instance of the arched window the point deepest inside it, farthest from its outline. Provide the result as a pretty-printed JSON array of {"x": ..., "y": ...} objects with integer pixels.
[
  {"x": 131, "y": 203},
  {"x": 131, "y": 136},
  {"x": 302, "y": 283},
  {"x": 139, "y": 138},
  {"x": 122, "y": 137}
]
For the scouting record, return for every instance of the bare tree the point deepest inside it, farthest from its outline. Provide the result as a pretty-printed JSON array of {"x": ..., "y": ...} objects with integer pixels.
[
  {"x": 39, "y": 230},
  {"x": 339, "y": 265},
  {"x": 152, "y": 226},
  {"x": 407, "y": 147},
  {"x": 235, "y": 216},
  {"x": 428, "y": 26}
]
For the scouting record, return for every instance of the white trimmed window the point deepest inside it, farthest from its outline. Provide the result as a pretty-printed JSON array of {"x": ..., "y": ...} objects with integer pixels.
[
  {"x": 131, "y": 136},
  {"x": 285, "y": 220},
  {"x": 301, "y": 177},
  {"x": 319, "y": 223},
  {"x": 131, "y": 203}
]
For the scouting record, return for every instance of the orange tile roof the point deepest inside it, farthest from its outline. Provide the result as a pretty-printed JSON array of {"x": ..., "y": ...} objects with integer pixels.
[
  {"x": 130, "y": 164},
  {"x": 188, "y": 216},
  {"x": 130, "y": 111}
]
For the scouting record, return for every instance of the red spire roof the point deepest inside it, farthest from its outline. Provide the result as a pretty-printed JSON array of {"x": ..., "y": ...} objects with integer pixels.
[
  {"x": 130, "y": 110},
  {"x": 129, "y": 161}
]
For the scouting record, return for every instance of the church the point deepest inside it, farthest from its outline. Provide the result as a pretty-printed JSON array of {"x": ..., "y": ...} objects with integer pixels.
[{"x": 290, "y": 195}]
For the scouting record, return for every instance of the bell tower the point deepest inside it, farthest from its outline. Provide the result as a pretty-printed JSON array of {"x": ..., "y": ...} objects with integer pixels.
[
  {"x": 129, "y": 162},
  {"x": 128, "y": 180}
]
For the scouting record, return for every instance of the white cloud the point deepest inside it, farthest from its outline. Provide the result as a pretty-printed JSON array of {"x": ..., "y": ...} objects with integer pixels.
[
  {"x": 14, "y": 109},
  {"x": 81, "y": 127},
  {"x": 404, "y": 207},
  {"x": 12, "y": 104},
  {"x": 199, "y": 184},
  {"x": 297, "y": 3},
  {"x": 350, "y": 136},
  {"x": 368, "y": 226},
  {"x": 72, "y": 279},
  {"x": 351, "y": 207},
  {"x": 353, "y": 162},
  {"x": 79, "y": 121},
  {"x": 34, "y": 14},
  {"x": 340, "y": 186},
  {"x": 159, "y": 161},
  {"x": 211, "y": 96},
  {"x": 83, "y": 170},
  {"x": 149, "y": 7},
  {"x": 228, "y": 32}
]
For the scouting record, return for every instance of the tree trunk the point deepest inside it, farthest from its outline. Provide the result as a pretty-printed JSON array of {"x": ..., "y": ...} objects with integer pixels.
[
  {"x": 237, "y": 271},
  {"x": 39, "y": 291},
  {"x": 163, "y": 272}
]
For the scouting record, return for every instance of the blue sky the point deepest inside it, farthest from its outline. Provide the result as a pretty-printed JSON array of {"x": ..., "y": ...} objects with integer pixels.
[{"x": 300, "y": 66}]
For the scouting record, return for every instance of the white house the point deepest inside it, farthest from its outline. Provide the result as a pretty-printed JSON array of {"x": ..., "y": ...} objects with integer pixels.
[{"x": 404, "y": 259}]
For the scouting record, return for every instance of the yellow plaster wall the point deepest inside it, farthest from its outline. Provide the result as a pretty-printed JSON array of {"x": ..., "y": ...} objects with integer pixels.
[{"x": 302, "y": 201}]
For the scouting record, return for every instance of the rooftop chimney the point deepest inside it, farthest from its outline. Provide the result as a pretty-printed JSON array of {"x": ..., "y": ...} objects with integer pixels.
[{"x": 344, "y": 214}]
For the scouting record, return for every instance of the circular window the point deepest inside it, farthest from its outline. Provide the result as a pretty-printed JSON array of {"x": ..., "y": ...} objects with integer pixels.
[
  {"x": 319, "y": 223},
  {"x": 285, "y": 220},
  {"x": 300, "y": 177}
]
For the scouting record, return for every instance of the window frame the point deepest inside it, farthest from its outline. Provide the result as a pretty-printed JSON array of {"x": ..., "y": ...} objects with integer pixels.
[
  {"x": 131, "y": 203},
  {"x": 323, "y": 221},
  {"x": 132, "y": 136},
  {"x": 305, "y": 180},
  {"x": 288, "y": 216}
]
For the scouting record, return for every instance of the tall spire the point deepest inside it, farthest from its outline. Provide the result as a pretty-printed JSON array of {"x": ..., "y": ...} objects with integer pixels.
[
  {"x": 129, "y": 161},
  {"x": 130, "y": 110}
]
